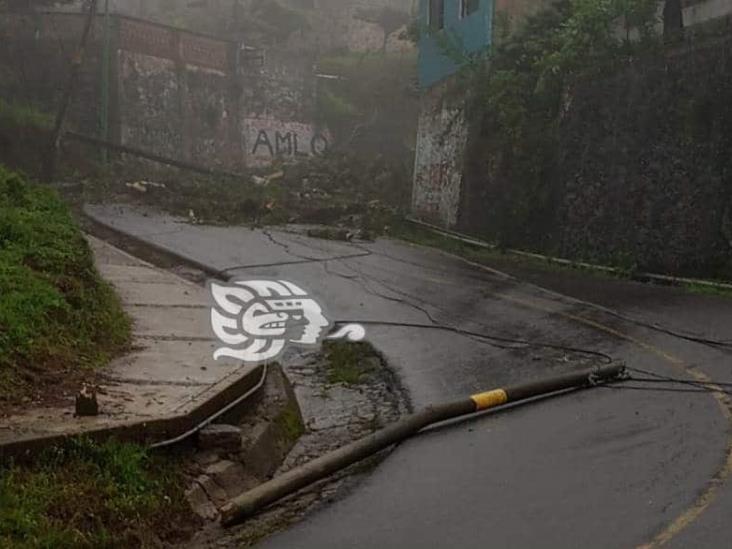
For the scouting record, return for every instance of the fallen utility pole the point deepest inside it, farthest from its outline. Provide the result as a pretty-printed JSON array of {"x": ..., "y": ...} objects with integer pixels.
[
  {"x": 253, "y": 501},
  {"x": 63, "y": 109},
  {"x": 124, "y": 149}
]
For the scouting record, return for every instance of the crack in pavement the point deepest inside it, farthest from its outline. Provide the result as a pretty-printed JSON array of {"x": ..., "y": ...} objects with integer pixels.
[
  {"x": 286, "y": 263},
  {"x": 420, "y": 306},
  {"x": 359, "y": 278},
  {"x": 302, "y": 259},
  {"x": 363, "y": 279}
]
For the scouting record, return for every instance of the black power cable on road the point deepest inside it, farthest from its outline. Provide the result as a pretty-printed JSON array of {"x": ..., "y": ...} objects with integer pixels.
[
  {"x": 607, "y": 359},
  {"x": 697, "y": 386},
  {"x": 254, "y": 500}
]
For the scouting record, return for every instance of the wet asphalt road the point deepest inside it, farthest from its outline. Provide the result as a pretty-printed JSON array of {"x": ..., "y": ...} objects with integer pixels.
[{"x": 600, "y": 468}]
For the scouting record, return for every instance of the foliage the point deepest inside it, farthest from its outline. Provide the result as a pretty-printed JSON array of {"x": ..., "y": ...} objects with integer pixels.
[
  {"x": 83, "y": 494},
  {"x": 705, "y": 289},
  {"x": 512, "y": 263},
  {"x": 25, "y": 5},
  {"x": 290, "y": 423},
  {"x": 517, "y": 99},
  {"x": 372, "y": 106},
  {"x": 55, "y": 311},
  {"x": 349, "y": 362},
  {"x": 413, "y": 31},
  {"x": 269, "y": 21},
  {"x": 19, "y": 115},
  {"x": 389, "y": 19},
  {"x": 371, "y": 111},
  {"x": 362, "y": 192}
]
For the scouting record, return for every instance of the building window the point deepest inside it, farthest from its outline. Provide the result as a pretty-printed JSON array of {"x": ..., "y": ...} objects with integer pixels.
[
  {"x": 468, "y": 7},
  {"x": 437, "y": 15}
]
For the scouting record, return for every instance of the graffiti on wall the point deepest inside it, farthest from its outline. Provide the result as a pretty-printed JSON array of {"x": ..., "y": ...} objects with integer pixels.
[
  {"x": 267, "y": 139},
  {"x": 441, "y": 139}
]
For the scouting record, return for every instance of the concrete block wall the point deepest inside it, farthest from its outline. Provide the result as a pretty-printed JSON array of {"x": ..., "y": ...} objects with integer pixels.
[
  {"x": 278, "y": 111},
  {"x": 173, "y": 93}
]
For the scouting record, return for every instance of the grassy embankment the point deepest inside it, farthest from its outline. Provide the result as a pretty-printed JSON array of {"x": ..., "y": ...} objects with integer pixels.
[
  {"x": 58, "y": 322},
  {"x": 58, "y": 319},
  {"x": 25, "y": 134},
  {"x": 89, "y": 495}
]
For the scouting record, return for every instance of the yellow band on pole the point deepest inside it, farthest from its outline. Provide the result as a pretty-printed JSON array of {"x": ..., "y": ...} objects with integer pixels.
[{"x": 491, "y": 399}]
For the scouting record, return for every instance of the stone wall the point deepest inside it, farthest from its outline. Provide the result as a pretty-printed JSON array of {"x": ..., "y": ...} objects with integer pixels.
[
  {"x": 640, "y": 174},
  {"x": 441, "y": 139},
  {"x": 646, "y": 164}
]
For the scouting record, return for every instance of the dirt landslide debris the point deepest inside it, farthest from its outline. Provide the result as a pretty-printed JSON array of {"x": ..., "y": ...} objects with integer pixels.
[{"x": 363, "y": 197}]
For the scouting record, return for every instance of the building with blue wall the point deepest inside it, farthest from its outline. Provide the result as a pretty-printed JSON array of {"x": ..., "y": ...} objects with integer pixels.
[
  {"x": 450, "y": 30},
  {"x": 447, "y": 28}
]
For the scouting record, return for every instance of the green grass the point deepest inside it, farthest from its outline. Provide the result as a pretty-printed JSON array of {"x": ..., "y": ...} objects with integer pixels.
[
  {"x": 83, "y": 494},
  {"x": 20, "y": 115},
  {"x": 703, "y": 289},
  {"x": 487, "y": 256},
  {"x": 348, "y": 362},
  {"x": 56, "y": 313},
  {"x": 290, "y": 423},
  {"x": 425, "y": 237},
  {"x": 496, "y": 258}
]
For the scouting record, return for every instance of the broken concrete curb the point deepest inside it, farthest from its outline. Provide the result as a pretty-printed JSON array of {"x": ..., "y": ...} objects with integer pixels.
[{"x": 264, "y": 441}]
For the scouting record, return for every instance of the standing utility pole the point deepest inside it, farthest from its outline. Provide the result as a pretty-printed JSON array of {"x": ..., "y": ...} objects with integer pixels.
[{"x": 76, "y": 62}]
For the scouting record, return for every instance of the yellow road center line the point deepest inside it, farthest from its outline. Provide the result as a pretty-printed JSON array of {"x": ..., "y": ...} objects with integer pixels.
[{"x": 711, "y": 492}]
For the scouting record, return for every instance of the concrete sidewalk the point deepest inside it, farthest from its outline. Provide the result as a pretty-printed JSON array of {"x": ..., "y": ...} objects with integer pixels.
[{"x": 166, "y": 386}]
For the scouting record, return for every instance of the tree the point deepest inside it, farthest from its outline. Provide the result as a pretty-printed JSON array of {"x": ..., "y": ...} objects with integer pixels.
[
  {"x": 673, "y": 19},
  {"x": 389, "y": 19},
  {"x": 70, "y": 89}
]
